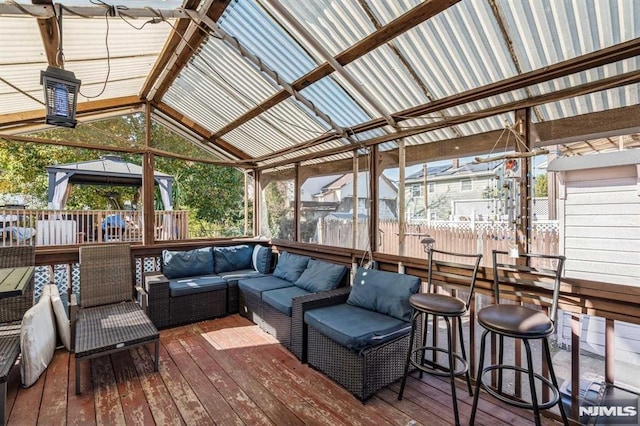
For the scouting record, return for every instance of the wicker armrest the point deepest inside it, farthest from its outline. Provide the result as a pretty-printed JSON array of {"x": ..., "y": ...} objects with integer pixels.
[
  {"x": 73, "y": 316},
  {"x": 142, "y": 297},
  {"x": 300, "y": 305},
  {"x": 155, "y": 283}
]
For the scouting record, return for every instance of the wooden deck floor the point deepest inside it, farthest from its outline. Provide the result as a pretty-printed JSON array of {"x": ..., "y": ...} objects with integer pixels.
[{"x": 227, "y": 371}]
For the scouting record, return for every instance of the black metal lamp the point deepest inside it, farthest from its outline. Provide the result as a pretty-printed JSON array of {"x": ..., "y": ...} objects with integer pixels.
[
  {"x": 60, "y": 96},
  {"x": 60, "y": 87},
  {"x": 427, "y": 243}
]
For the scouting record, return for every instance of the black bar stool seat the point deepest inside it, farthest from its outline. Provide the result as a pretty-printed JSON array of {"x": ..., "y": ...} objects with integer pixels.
[
  {"x": 516, "y": 321},
  {"x": 447, "y": 307},
  {"x": 438, "y": 304}
]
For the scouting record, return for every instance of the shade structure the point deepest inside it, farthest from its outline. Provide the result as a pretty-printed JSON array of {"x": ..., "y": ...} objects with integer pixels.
[{"x": 107, "y": 170}]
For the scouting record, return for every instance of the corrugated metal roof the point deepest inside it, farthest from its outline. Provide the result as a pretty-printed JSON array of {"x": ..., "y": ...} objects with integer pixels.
[{"x": 469, "y": 45}]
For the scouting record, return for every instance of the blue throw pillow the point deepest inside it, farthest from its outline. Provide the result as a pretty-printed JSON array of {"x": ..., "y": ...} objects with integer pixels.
[
  {"x": 321, "y": 276},
  {"x": 232, "y": 258},
  {"x": 261, "y": 259},
  {"x": 178, "y": 264},
  {"x": 290, "y": 266},
  {"x": 384, "y": 292}
]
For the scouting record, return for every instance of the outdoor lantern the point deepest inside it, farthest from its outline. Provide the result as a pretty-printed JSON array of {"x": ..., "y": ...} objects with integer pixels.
[
  {"x": 60, "y": 96},
  {"x": 427, "y": 243}
]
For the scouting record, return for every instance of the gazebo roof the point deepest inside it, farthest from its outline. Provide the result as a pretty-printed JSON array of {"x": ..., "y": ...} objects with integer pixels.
[{"x": 107, "y": 170}]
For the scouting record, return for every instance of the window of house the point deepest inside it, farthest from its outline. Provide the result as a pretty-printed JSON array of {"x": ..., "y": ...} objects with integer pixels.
[
  {"x": 433, "y": 216},
  {"x": 432, "y": 187},
  {"x": 416, "y": 190},
  {"x": 466, "y": 184}
]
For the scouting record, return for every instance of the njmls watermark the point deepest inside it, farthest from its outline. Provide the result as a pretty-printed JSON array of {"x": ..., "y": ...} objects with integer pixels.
[{"x": 611, "y": 411}]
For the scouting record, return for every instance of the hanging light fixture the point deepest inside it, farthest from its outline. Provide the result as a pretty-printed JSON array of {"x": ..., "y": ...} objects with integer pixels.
[{"x": 61, "y": 89}]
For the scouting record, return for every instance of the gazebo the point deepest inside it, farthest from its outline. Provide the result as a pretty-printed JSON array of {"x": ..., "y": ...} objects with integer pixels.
[{"x": 107, "y": 170}]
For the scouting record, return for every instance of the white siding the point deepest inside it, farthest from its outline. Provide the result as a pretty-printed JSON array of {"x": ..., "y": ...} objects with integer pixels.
[{"x": 602, "y": 230}]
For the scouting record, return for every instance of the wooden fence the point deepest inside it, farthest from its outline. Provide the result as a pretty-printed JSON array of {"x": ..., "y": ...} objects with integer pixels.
[
  {"x": 459, "y": 239},
  {"x": 67, "y": 227}
]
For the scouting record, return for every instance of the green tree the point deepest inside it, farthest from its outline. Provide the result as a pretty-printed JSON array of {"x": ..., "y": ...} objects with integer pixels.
[{"x": 542, "y": 186}]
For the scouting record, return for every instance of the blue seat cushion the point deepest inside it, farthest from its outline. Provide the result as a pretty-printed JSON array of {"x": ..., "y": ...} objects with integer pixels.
[
  {"x": 282, "y": 298},
  {"x": 355, "y": 328},
  {"x": 257, "y": 285},
  {"x": 237, "y": 275},
  {"x": 290, "y": 266},
  {"x": 232, "y": 258},
  {"x": 178, "y": 264},
  {"x": 384, "y": 292},
  {"x": 321, "y": 276},
  {"x": 193, "y": 285}
]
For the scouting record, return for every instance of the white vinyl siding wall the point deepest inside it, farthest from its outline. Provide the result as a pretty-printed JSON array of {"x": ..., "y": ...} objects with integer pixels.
[{"x": 602, "y": 229}]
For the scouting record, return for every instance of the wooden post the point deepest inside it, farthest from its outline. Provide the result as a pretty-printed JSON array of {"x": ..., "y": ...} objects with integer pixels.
[
  {"x": 523, "y": 218},
  {"x": 373, "y": 198},
  {"x": 148, "y": 184},
  {"x": 426, "y": 191},
  {"x": 401, "y": 197},
  {"x": 355, "y": 196},
  {"x": 257, "y": 200},
  {"x": 246, "y": 202},
  {"x": 297, "y": 203}
]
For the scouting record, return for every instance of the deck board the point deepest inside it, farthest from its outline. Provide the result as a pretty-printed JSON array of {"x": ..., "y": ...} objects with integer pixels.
[{"x": 228, "y": 372}]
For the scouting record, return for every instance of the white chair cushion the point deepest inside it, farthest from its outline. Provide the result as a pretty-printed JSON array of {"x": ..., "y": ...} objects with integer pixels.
[
  {"x": 37, "y": 339},
  {"x": 62, "y": 320}
]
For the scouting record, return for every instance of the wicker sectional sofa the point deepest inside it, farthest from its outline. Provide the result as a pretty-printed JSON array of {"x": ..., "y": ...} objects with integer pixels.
[
  {"x": 202, "y": 283},
  {"x": 277, "y": 302},
  {"x": 360, "y": 337}
]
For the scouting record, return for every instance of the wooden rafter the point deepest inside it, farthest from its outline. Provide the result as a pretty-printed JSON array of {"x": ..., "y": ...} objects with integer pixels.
[
  {"x": 174, "y": 39},
  {"x": 611, "y": 82},
  {"x": 561, "y": 69},
  {"x": 176, "y": 59},
  {"x": 201, "y": 131},
  {"x": 403, "y": 23},
  {"x": 49, "y": 32},
  {"x": 84, "y": 108}
]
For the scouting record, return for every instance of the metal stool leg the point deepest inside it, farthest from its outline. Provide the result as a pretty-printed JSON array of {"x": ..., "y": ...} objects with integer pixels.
[
  {"x": 409, "y": 353},
  {"x": 464, "y": 354},
  {"x": 425, "y": 331},
  {"x": 452, "y": 369},
  {"x": 552, "y": 373},
  {"x": 532, "y": 385},
  {"x": 478, "y": 377},
  {"x": 500, "y": 360}
]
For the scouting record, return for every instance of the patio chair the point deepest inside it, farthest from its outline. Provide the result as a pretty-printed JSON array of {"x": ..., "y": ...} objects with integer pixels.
[
  {"x": 12, "y": 309},
  {"x": 107, "y": 319}
]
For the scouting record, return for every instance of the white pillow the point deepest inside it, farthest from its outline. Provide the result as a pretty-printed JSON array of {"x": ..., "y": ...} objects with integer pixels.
[
  {"x": 64, "y": 330},
  {"x": 37, "y": 339}
]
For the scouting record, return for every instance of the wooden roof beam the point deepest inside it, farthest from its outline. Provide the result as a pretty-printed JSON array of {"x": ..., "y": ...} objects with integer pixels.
[
  {"x": 84, "y": 108},
  {"x": 401, "y": 24},
  {"x": 205, "y": 134},
  {"x": 561, "y": 69},
  {"x": 168, "y": 49},
  {"x": 176, "y": 59},
  {"x": 611, "y": 82}
]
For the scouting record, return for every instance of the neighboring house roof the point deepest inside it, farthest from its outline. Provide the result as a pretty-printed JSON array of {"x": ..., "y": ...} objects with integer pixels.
[
  {"x": 450, "y": 172},
  {"x": 344, "y": 183}
]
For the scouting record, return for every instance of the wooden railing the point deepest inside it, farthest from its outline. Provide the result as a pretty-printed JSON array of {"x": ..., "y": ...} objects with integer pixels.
[
  {"x": 71, "y": 227},
  {"x": 580, "y": 301}
]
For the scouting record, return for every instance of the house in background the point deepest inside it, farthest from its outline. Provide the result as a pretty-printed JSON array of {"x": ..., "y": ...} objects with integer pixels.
[
  {"x": 476, "y": 184},
  {"x": 339, "y": 192}
]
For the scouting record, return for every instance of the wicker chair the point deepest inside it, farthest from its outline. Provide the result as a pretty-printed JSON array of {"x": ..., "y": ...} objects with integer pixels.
[
  {"x": 363, "y": 371},
  {"x": 107, "y": 319},
  {"x": 12, "y": 309}
]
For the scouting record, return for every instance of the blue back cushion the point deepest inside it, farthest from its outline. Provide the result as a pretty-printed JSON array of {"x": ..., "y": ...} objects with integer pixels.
[
  {"x": 261, "y": 259},
  {"x": 178, "y": 264},
  {"x": 232, "y": 258},
  {"x": 290, "y": 266},
  {"x": 321, "y": 276},
  {"x": 384, "y": 292}
]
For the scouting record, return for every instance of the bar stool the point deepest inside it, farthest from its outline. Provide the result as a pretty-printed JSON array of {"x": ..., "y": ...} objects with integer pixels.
[
  {"x": 440, "y": 305},
  {"x": 520, "y": 281}
]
